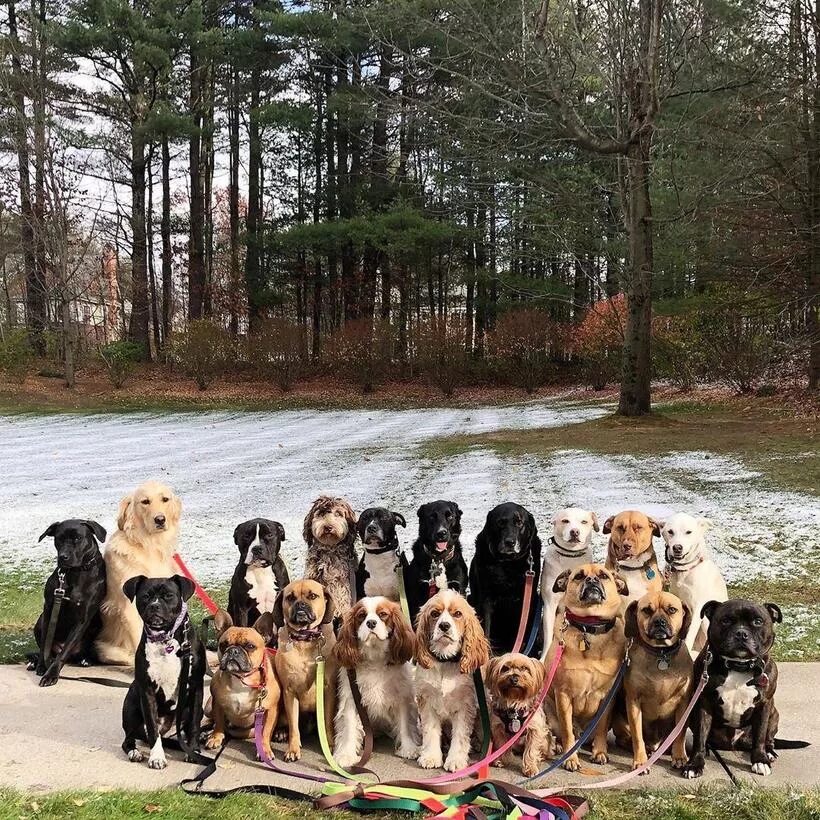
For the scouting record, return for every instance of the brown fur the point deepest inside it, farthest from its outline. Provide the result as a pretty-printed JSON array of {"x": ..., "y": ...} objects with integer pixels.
[
  {"x": 655, "y": 699},
  {"x": 235, "y": 700},
  {"x": 585, "y": 676},
  {"x": 347, "y": 651},
  {"x": 330, "y": 533},
  {"x": 537, "y": 742},
  {"x": 295, "y": 661},
  {"x": 136, "y": 548},
  {"x": 630, "y": 538}
]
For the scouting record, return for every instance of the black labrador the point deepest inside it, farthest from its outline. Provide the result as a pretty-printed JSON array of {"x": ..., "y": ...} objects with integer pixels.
[
  {"x": 505, "y": 549},
  {"x": 79, "y": 581},
  {"x": 437, "y": 560}
]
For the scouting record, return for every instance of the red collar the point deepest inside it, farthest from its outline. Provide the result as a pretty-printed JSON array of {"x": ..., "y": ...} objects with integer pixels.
[
  {"x": 590, "y": 623},
  {"x": 242, "y": 675}
]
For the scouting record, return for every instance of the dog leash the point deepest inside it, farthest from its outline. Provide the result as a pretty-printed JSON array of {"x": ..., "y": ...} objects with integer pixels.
[
  {"x": 405, "y": 607},
  {"x": 525, "y": 607},
  {"x": 59, "y": 597},
  {"x": 536, "y": 623},
  {"x": 203, "y": 596}
]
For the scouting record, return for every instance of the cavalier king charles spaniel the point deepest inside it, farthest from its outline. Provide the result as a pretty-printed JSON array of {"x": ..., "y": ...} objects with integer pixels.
[
  {"x": 377, "y": 642},
  {"x": 450, "y": 646}
]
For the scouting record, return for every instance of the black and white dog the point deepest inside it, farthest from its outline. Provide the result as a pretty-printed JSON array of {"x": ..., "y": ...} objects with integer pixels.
[
  {"x": 260, "y": 574},
  {"x": 73, "y": 594},
  {"x": 505, "y": 550},
  {"x": 437, "y": 561},
  {"x": 377, "y": 571},
  {"x": 169, "y": 668}
]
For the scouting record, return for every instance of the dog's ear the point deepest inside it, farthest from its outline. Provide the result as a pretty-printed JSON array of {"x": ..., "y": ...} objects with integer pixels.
[
  {"x": 456, "y": 510},
  {"x": 307, "y": 531},
  {"x": 631, "y": 620},
  {"x": 475, "y": 650},
  {"x": 281, "y": 530},
  {"x": 176, "y": 508},
  {"x": 222, "y": 621},
  {"x": 607, "y": 528},
  {"x": 265, "y": 626},
  {"x": 278, "y": 610},
  {"x": 774, "y": 611},
  {"x": 401, "y": 640},
  {"x": 705, "y": 524},
  {"x": 657, "y": 526},
  {"x": 595, "y": 525},
  {"x": 539, "y": 673},
  {"x": 490, "y": 670},
  {"x": 237, "y": 532},
  {"x": 346, "y": 650},
  {"x": 620, "y": 583},
  {"x": 687, "y": 620},
  {"x": 350, "y": 515},
  {"x": 530, "y": 527},
  {"x": 329, "y": 609},
  {"x": 186, "y": 586},
  {"x": 398, "y": 519},
  {"x": 422, "y": 654},
  {"x": 561, "y": 581},
  {"x": 97, "y": 530},
  {"x": 124, "y": 512},
  {"x": 131, "y": 586},
  {"x": 52, "y": 529},
  {"x": 708, "y": 609}
]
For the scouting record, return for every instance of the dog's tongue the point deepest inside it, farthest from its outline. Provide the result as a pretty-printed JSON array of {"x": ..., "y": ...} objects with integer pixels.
[{"x": 441, "y": 546}]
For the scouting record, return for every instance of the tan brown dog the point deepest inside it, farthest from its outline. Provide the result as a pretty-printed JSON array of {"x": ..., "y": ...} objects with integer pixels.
[
  {"x": 631, "y": 554},
  {"x": 593, "y": 633},
  {"x": 303, "y": 612},
  {"x": 244, "y": 681},
  {"x": 658, "y": 682},
  {"x": 514, "y": 682}
]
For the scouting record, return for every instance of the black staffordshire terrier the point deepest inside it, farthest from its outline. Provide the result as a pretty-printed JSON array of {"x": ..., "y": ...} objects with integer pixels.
[
  {"x": 505, "y": 550},
  {"x": 437, "y": 561},
  {"x": 169, "y": 668},
  {"x": 260, "y": 574},
  {"x": 376, "y": 573},
  {"x": 736, "y": 709},
  {"x": 72, "y": 597}
]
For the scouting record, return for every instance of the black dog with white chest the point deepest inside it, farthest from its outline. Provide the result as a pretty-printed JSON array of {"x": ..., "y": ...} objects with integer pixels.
[
  {"x": 260, "y": 574},
  {"x": 736, "y": 709},
  {"x": 437, "y": 561},
  {"x": 505, "y": 550},
  {"x": 70, "y": 621},
  {"x": 169, "y": 669},
  {"x": 376, "y": 573}
]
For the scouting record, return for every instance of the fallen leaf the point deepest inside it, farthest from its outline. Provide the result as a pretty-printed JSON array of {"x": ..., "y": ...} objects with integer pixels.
[
  {"x": 77, "y": 802},
  {"x": 150, "y": 808}
]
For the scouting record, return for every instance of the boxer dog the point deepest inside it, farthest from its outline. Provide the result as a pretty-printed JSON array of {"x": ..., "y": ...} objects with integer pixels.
[
  {"x": 631, "y": 554},
  {"x": 382, "y": 559}
]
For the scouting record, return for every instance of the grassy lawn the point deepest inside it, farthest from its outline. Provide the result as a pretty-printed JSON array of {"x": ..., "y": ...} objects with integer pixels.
[{"x": 690, "y": 804}]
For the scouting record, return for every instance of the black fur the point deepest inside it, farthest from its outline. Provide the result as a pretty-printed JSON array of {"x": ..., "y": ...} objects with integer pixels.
[
  {"x": 438, "y": 521},
  {"x": 504, "y": 549},
  {"x": 79, "y": 623},
  {"x": 377, "y": 530}
]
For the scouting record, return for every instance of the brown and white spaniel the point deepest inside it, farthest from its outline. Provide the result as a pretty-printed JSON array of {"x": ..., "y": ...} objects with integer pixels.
[
  {"x": 450, "y": 646},
  {"x": 377, "y": 643}
]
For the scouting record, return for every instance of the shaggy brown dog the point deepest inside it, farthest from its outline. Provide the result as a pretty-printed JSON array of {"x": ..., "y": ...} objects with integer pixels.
[
  {"x": 330, "y": 534},
  {"x": 514, "y": 682},
  {"x": 143, "y": 544},
  {"x": 303, "y": 614}
]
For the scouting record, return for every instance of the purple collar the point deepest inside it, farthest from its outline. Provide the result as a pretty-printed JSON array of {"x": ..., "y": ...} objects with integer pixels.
[{"x": 160, "y": 636}]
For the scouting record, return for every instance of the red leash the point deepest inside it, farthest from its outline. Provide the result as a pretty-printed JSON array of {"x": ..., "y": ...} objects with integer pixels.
[
  {"x": 525, "y": 609},
  {"x": 203, "y": 596}
]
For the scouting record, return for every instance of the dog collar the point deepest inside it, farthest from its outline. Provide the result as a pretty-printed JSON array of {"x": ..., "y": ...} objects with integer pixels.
[
  {"x": 513, "y": 718},
  {"x": 381, "y": 550},
  {"x": 753, "y": 665},
  {"x": 587, "y": 625},
  {"x": 454, "y": 659},
  {"x": 664, "y": 654},
  {"x": 308, "y": 634},
  {"x": 565, "y": 552},
  {"x": 240, "y": 676},
  {"x": 676, "y": 566},
  {"x": 440, "y": 557},
  {"x": 645, "y": 567},
  {"x": 167, "y": 637}
]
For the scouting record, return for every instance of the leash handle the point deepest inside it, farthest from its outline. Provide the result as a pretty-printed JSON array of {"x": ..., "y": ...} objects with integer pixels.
[{"x": 203, "y": 596}]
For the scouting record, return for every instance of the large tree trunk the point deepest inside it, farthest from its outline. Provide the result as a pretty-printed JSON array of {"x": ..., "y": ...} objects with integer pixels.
[
  {"x": 637, "y": 367},
  {"x": 167, "y": 252},
  {"x": 330, "y": 183},
  {"x": 253, "y": 274},
  {"x": 152, "y": 278},
  {"x": 196, "y": 242},
  {"x": 38, "y": 12},
  {"x": 813, "y": 284},
  {"x": 139, "y": 323},
  {"x": 318, "y": 130}
]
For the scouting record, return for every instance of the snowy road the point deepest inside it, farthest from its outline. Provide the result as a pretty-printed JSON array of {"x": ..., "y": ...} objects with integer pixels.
[{"x": 228, "y": 467}]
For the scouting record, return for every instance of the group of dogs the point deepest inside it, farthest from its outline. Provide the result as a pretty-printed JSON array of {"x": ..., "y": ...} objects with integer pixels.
[{"x": 415, "y": 680}]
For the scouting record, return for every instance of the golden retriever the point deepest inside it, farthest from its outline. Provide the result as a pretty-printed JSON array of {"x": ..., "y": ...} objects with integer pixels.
[{"x": 144, "y": 543}]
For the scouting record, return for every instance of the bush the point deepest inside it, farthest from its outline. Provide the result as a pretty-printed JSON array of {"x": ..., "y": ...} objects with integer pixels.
[
  {"x": 520, "y": 346},
  {"x": 203, "y": 351},
  {"x": 441, "y": 353},
  {"x": 278, "y": 351},
  {"x": 598, "y": 340},
  {"x": 361, "y": 349},
  {"x": 16, "y": 354},
  {"x": 675, "y": 354},
  {"x": 120, "y": 359}
]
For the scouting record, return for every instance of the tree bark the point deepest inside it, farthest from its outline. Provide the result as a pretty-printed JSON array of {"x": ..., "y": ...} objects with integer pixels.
[
  {"x": 253, "y": 276},
  {"x": 167, "y": 253},
  {"x": 138, "y": 326},
  {"x": 318, "y": 130},
  {"x": 152, "y": 279},
  {"x": 196, "y": 233}
]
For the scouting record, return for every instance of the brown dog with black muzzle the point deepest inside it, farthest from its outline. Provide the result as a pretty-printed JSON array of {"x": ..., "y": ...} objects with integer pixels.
[
  {"x": 303, "y": 611},
  {"x": 244, "y": 681},
  {"x": 594, "y": 646},
  {"x": 631, "y": 554},
  {"x": 658, "y": 681}
]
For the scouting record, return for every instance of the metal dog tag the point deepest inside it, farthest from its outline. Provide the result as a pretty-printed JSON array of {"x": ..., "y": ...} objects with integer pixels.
[
  {"x": 515, "y": 725},
  {"x": 663, "y": 664},
  {"x": 583, "y": 644}
]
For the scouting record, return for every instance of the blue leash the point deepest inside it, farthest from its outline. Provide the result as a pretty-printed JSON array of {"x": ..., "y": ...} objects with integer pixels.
[
  {"x": 590, "y": 727},
  {"x": 536, "y": 623}
]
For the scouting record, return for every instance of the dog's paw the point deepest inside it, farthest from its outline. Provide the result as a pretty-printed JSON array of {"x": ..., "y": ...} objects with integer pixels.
[
  {"x": 408, "y": 752},
  {"x": 431, "y": 760},
  {"x": 557, "y": 748},
  {"x": 678, "y": 762},
  {"x": 693, "y": 769},
  {"x": 530, "y": 769},
  {"x": 84, "y": 662},
  {"x": 50, "y": 678},
  {"x": 572, "y": 763},
  {"x": 455, "y": 762},
  {"x": 31, "y": 666},
  {"x": 346, "y": 758},
  {"x": 771, "y": 755},
  {"x": 136, "y": 756},
  {"x": 157, "y": 762},
  {"x": 293, "y": 754},
  {"x": 763, "y": 769},
  {"x": 601, "y": 758},
  {"x": 214, "y": 740},
  {"x": 267, "y": 754}
]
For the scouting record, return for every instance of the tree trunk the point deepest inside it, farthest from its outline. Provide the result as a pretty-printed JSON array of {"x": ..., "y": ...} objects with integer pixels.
[
  {"x": 253, "y": 276},
  {"x": 139, "y": 323},
  {"x": 196, "y": 241},
  {"x": 481, "y": 277},
  {"x": 167, "y": 252},
  {"x": 38, "y": 12},
  {"x": 813, "y": 284},
  {"x": 69, "y": 333},
  {"x": 318, "y": 130},
  {"x": 152, "y": 278}
]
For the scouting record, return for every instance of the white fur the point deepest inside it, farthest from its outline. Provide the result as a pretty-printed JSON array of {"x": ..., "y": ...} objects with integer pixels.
[
  {"x": 685, "y": 546},
  {"x": 255, "y": 543},
  {"x": 262, "y": 584},
  {"x": 387, "y": 695},
  {"x": 763, "y": 769},
  {"x": 736, "y": 697},
  {"x": 570, "y": 523},
  {"x": 164, "y": 669},
  {"x": 156, "y": 760},
  {"x": 383, "y": 578}
]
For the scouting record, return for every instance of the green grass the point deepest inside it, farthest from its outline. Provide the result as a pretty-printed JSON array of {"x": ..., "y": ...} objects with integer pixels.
[{"x": 708, "y": 803}]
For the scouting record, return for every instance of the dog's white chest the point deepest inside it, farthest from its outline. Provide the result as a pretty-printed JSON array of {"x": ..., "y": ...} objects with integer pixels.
[
  {"x": 383, "y": 578},
  {"x": 736, "y": 697},
  {"x": 262, "y": 585},
  {"x": 164, "y": 669}
]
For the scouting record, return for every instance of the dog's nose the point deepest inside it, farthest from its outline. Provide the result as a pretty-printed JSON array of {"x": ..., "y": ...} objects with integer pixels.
[
  {"x": 444, "y": 626},
  {"x": 574, "y": 533},
  {"x": 441, "y": 535},
  {"x": 742, "y": 635},
  {"x": 371, "y": 623},
  {"x": 509, "y": 542},
  {"x": 328, "y": 528},
  {"x": 159, "y": 520},
  {"x": 514, "y": 679}
]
